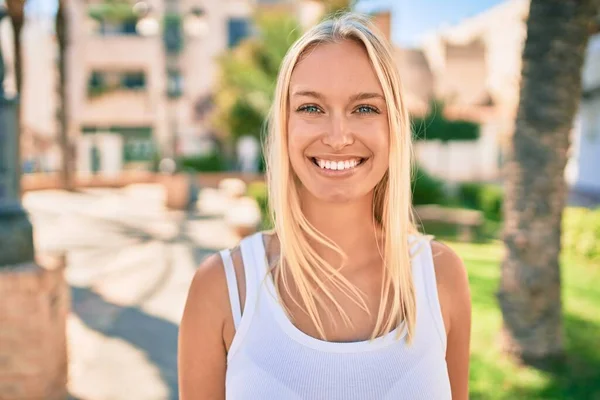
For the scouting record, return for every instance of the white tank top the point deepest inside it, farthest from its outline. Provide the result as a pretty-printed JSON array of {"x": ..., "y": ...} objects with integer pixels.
[{"x": 271, "y": 359}]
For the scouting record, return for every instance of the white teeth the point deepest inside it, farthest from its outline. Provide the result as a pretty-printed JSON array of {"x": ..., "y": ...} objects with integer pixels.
[{"x": 337, "y": 165}]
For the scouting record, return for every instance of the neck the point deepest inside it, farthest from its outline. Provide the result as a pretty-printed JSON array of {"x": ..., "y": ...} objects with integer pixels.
[{"x": 350, "y": 225}]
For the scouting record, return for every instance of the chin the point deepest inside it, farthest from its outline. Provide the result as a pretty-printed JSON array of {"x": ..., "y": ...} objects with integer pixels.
[{"x": 330, "y": 195}]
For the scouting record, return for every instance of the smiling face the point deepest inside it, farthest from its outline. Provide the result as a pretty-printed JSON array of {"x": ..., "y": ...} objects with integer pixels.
[{"x": 338, "y": 130}]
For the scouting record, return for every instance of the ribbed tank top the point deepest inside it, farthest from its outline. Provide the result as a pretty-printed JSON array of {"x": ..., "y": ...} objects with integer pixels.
[{"x": 270, "y": 358}]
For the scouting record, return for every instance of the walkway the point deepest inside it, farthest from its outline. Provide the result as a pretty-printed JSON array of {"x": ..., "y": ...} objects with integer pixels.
[{"x": 130, "y": 263}]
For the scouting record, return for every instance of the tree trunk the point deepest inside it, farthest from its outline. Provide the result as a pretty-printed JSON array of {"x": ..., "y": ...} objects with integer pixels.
[
  {"x": 17, "y": 18},
  {"x": 529, "y": 295},
  {"x": 17, "y": 27},
  {"x": 63, "y": 121}
]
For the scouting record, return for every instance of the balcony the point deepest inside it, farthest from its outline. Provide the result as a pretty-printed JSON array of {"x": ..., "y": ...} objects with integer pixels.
[
  {"x": 120, "y": 107},
  {"x": 123, "y": 51}
]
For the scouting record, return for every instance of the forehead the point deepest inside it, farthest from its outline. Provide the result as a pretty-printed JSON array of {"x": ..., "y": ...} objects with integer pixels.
[{"x": 335, "y": 68}]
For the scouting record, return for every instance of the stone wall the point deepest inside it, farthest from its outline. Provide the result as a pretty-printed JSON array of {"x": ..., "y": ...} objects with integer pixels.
[
  {"x": 32, "y": 182},
  {"x": 34, "y": 303}
]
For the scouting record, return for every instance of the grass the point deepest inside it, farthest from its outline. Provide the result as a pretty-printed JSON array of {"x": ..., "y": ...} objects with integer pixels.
[{"x": 494, "y": 376}]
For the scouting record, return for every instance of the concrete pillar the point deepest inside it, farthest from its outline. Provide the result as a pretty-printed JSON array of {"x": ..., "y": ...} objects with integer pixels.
[{"x": 33, "y": 293}]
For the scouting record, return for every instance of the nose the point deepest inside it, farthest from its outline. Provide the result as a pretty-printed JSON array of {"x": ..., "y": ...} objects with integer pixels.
[{"x": 338, "y": 134}]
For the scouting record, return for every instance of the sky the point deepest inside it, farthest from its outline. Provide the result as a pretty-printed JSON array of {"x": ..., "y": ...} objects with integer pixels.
[
  {"x": 411, "y": 18},
  {"x": 414, "y": 18},
  {"x": 41, "y": 7}
]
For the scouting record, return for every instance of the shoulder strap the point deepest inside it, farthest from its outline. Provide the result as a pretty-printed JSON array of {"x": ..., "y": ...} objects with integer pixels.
[
  {"x": 232, "y": 286},
  {"x": 430, "y": 286}
]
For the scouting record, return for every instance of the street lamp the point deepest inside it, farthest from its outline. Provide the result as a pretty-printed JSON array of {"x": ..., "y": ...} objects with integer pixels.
[
  {"x": 195, "y": 23},
  {"x": 147, "y": 25},
  {"x": 16, "y": 233}
]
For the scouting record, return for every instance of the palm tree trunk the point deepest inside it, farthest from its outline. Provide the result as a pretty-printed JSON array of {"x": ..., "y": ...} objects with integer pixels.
[
  {"x": 529, "y": 295},
  {"x": 63, "y": 121},
  {"x": 17, "y": 18},
  {"x": 17, "y": 26}
]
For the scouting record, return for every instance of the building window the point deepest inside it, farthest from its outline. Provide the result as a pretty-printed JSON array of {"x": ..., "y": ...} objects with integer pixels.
[
  {"x": 238, "y": 29},
  {"x": 110, "y": 28},
  {"x": 101, "y": 82},
  {"x": 138, "y": 143}
]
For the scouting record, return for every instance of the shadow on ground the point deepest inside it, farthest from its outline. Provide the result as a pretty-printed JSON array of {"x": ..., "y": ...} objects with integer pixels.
[
  {"x": 575, "y": 377},
  {"x": 156, "y": 337}
]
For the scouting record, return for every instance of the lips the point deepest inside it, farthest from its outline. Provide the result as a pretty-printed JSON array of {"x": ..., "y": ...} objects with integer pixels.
[{"x": 337, "y": 164}]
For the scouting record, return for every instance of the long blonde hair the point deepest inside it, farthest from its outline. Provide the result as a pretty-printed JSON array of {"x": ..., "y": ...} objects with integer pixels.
[{"x": 391, "y": 199}]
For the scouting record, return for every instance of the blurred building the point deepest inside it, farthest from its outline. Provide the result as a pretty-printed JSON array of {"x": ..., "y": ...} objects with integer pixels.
[
  {"x": 151, "y": 90},
  {"x": 475, "y": 68},
  {"x": 140, "y": 77}
]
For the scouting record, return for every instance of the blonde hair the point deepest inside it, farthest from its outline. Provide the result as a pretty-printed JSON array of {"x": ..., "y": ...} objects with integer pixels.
[{"x": 391, "y": 199}]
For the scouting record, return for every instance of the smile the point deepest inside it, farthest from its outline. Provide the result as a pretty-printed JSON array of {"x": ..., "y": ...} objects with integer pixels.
[{"x": 337, "y": 165}]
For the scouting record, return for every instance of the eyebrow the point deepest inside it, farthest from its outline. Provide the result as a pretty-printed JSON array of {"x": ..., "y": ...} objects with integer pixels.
[{"x": 355, "y": 97}]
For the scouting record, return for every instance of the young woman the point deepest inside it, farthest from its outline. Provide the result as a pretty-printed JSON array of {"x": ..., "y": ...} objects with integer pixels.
[{"x": 344, "y": 299}]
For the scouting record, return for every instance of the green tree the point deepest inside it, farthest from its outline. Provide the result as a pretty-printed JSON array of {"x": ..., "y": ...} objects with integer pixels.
[
  {"x": 530, "y": 288},
  {"x": 248, "y": 76},
  {"x": 112, "y": 11}
]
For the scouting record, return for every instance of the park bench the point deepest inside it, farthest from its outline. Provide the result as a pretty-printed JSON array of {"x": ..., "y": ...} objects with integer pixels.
[{"x": 468, "y": 222}]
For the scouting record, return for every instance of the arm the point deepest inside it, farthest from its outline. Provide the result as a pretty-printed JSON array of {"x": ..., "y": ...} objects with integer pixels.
[
  {"x": 455, "y": 301},
  {"x": 201, "y": 350}
]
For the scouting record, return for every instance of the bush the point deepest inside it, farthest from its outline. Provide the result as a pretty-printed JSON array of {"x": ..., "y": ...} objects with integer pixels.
[
  {"x": 581, "y": 232},
  {"x": 491, "y": 201},
  {"x": 213, "y": 162},
  {"x": 469, "y": 195},
  {"x": 435, "y": 126},
  {"x": 484, "y": 197},
  {"x": 258, "y": 191},
  {"x": 426, "y": 189}
]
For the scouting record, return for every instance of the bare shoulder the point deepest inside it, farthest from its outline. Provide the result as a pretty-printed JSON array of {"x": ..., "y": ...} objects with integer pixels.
[
  {"x": 208, "y": 297},
  {"x": 449, "y": 267},
  {"x": 201, "y": 350},
  {"x": 453, "y": 284},
  {"x": 207, "y": 293}
]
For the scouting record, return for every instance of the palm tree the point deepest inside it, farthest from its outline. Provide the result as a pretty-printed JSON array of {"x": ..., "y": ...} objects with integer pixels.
[
  {"x": 529, "y": 295},
  {"x": 16, "y": 12},
  {"x": 62, "y": 31}
]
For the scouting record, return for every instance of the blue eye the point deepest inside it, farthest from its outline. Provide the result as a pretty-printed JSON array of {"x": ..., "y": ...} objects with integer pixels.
[
  {"x": 367, "y": 110},
  {"x": 310, "y": 109}
]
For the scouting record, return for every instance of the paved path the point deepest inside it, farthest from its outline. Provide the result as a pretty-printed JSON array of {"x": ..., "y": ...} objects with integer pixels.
[{"x": 130, "y": 263}]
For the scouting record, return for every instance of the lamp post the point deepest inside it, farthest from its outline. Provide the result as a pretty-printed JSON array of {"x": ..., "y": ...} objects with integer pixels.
[
  {"x": 16, "y": 233},
  {"x": 176, "y": 26}
]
